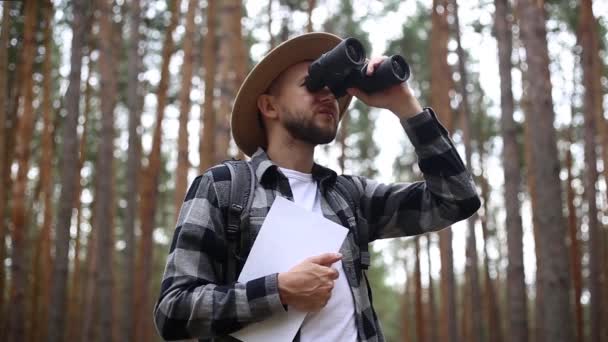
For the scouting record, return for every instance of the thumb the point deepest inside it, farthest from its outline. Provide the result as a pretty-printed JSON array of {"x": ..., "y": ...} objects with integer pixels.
[{"x": 325, "y": 259}]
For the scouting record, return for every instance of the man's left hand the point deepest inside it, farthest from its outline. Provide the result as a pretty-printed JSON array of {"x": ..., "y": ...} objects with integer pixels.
[{"x": 399, "y": 98}]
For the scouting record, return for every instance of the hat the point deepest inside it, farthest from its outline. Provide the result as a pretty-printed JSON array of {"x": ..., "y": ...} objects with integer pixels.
[{"x": 246, "y": 129}]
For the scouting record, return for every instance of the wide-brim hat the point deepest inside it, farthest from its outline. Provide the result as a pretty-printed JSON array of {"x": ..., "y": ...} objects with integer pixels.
[{"x": 246, "y": 128}]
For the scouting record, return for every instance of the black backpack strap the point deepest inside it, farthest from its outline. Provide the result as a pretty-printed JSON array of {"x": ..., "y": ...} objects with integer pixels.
[
  {"x": 242, "y": 186},
  {"x": 349, "y": 191}
]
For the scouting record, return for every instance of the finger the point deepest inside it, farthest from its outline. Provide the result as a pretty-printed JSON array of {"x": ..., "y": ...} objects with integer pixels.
[
  {"x": 325, "y": 258},
  {"x": 358, "y": 93},
  {"x": 333, "y": 273},
  {"x": 373, "y": 64}
]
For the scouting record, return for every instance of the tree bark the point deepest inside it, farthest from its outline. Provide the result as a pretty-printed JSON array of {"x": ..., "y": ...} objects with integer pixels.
[
  {"x": 575, "y": 254},
  {"x": 516, "y": 288},
  {"x": 43, "y": 261},
  {"x": 104, "y": 189},
  {"x": 4, "y": 170},
  {"x": 545, "y": 164},
  {"x": 476, "y": 330},
  {"x": 433, "y": 322},
  {"x": 310, "y": 8},
  {"x": 133, "y": 169},
  {"x": 440, "y": 87},
  {"x": 232, "y": 68},
  {"x": 181, "y": 177},
  {"x": 25, "y": 128},
  {"x": 420, "y": 324},
  {"x": 149, "y": 191},
  {"x": 593, "y": 116},
  {"x": 207, "y": 146},
  {"x": 75, "y": 319}
]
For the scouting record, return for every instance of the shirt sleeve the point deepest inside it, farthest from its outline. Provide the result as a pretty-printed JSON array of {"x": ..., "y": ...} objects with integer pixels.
[
  {"x": 193, "y": 303},
  {"x": 446, "y": 195}
]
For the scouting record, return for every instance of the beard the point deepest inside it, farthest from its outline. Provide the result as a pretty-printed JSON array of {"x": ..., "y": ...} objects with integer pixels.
[{"x": 305, "y": 129}]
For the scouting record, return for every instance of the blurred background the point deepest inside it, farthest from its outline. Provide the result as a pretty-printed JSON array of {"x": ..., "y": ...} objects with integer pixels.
[{"x": 110, "y": 108}]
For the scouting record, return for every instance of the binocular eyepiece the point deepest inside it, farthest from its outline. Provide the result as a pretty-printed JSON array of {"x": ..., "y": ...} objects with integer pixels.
[{"x": 345, "y": 67}]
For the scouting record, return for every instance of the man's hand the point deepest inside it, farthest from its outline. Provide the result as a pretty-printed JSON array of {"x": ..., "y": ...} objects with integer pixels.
[
  {"x": 308, "y": 285},
  {"x": 398, "y": 98}
]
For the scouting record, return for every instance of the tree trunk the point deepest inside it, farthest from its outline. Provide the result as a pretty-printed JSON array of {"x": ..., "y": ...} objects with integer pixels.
[
  {"x": 104, "y": 188},
  {"x": 89, "y": 329},
  {"x": 490, "y": 298},
  {"x": 75, "y": 318},
  {"x": 516, "y": 288},
  {"x": 133, "y": 169},
  {"x": 41, "y": 300},
  {"x": 555, "y": 285},
  {"x": 149, "y": 191},
  {"x": 271, "y": 40},
  {"x": 420, "y": 324},
  {"x": 433, "y": 322},
  {"x": 4, "y": 170},
  {"x": 588, "y": 41},
  {"x": 310, "y": 8},
  {"x": 25, "y": 128},
  {"x": 207, "y": 145},
  {"x": 476, "y": 333},
  {"x": 232, "y": 68},
  {"x": 575, "y": 254},
  {"x": 69, "y": 172},
  {"x": 440, "y": 87},
  {"x": 181, "y": 177}
]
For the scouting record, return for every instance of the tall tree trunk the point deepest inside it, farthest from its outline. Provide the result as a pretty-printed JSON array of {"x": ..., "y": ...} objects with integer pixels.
[
  {"x": 232, "y": 68},
  {"x": 42, "y": 261},
  {"x": 490, "y": 297},
  {"x": 575, "y": 254},
  {"x": 4, "y": 34},
  {"x": 476, "y": 333},
  {"x": 420, "y": 324},
  {"x": 104, "y": 188},
  {"x": 516, "y": 288},
  {"x": 149, "y": 191},
  {"x": 310, "y": 8},
  {"x": 89, "y": 329},
  {"x": 181, "y": 177},
  {"x": 75, "y": 303},
  {"x": 224, "y": 82},
  {"x": 69, "y": 172},
  {"x": 207, "y": 147},
  {"x": 133, "y": 169},
  {"x": 555, "y": 284},
  {"x": 271, "y": 40},
  {"x": 440, "y": 87},
  {"x": 589, "y": 42},
  {"x": 25, "y": 128},
  {"x": 433, "y": 321}
]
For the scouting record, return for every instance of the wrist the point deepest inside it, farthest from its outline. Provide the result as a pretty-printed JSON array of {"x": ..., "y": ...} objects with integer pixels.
[
  {"x": 281, "y": 280},
  {"x": 408, "y": 109}
]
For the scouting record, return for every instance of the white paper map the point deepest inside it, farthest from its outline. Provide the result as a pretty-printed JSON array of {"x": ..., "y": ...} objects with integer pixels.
[{"x": 289, "y": 235}]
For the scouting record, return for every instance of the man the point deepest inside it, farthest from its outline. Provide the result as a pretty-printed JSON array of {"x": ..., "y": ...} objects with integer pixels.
[{"x": 278, "y": 122}]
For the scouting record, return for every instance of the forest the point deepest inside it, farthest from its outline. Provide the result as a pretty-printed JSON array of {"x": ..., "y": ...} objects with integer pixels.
[{"x": 110, "y": 109}]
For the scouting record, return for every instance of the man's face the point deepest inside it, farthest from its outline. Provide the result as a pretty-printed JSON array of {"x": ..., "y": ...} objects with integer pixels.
[{"x": 309, "y": 117}]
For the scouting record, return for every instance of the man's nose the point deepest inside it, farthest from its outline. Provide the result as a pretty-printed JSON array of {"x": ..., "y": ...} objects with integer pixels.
[{"x": 324, "y": 93}]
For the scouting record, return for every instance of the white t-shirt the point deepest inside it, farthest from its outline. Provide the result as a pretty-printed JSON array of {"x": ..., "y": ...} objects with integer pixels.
[{"x": 336, "y": 321}]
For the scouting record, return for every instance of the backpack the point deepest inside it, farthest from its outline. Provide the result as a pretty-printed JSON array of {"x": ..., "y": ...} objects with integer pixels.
[{"x": 238, "y": 235}]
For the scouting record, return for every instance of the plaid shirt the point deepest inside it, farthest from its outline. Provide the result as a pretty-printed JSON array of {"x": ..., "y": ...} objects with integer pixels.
[{"x": 194, "y": 303}]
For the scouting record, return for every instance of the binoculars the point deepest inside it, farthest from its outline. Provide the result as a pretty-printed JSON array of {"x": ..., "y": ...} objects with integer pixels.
[{"x": 345, "y": 67}]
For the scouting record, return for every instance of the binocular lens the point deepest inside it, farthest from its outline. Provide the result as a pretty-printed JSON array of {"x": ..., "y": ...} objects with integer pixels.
[
  {"x": 397, "y": 67},
  {"x": 354, "y": 51}
]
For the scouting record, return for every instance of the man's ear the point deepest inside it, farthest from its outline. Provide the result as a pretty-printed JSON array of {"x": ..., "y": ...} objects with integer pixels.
[{"x": 267, "y": 106}]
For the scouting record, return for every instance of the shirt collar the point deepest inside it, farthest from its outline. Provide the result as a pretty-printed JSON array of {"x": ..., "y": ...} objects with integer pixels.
[{"x": 262, "y": 165}]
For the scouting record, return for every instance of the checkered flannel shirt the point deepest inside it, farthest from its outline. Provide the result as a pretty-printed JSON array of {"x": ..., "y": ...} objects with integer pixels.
[{"x": 194, "y": 303}]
